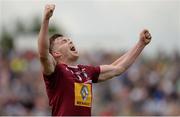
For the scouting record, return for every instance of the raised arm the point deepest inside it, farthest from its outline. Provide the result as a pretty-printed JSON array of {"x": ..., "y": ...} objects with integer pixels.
[
  {"x": 47, "y": 61},
  {"x": 124, "y": 62}
]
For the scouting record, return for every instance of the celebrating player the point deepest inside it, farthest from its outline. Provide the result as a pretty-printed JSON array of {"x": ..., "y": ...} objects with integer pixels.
[{"x": 69, "y": 86}]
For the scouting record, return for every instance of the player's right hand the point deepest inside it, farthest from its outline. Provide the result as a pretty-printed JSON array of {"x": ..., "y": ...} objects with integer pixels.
[{"x": 49, "y": 9}]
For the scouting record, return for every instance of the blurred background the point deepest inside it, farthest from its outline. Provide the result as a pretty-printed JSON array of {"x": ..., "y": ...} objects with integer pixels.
[{"x": 102, "y": 30}]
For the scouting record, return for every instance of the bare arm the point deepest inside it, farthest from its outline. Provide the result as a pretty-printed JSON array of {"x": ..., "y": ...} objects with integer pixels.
[
  {"x": 124, "y": 62},
  {"x": 47, "y": 61}
]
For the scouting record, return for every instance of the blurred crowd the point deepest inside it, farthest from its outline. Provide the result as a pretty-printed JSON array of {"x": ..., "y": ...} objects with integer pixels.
[{"x": 150, "y": 87}]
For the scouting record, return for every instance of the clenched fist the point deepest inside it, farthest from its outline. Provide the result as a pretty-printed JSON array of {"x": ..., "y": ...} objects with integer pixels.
[
  {"x": 49, "y": 9},
  {"x": 145, "y": 37}
]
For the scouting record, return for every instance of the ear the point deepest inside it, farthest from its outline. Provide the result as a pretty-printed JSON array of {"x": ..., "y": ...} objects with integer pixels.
[{"x": 56, "y": 54}]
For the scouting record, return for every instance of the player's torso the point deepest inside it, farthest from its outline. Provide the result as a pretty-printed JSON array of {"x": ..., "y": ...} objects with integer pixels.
[{"x": 75, "y": 88}]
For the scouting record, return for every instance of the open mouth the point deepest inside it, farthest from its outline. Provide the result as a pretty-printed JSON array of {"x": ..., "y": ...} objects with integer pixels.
[{"x": 73, "y": 48}]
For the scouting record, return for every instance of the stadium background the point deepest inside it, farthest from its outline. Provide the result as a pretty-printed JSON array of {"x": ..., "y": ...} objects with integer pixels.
[{"x": 102, "y": 30}]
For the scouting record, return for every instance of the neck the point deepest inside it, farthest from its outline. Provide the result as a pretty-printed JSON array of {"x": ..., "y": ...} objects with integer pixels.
[{"x": 67, "y": 62}]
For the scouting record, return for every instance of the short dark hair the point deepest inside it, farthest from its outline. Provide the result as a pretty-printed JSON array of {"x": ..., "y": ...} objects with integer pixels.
[{"x": 52, "y": 39}]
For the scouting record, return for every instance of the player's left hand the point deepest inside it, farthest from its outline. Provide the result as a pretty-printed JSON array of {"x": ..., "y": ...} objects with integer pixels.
[{"x": 145, "y": 37}]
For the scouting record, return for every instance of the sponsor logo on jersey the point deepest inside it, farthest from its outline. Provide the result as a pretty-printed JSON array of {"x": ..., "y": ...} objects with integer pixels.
[{"x": 82, "y": 94}]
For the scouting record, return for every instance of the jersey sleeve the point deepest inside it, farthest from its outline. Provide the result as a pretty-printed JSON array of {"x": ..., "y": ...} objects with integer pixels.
[
  {"x": 94, "y": 73},
  {"x": 50, "y": 80}
]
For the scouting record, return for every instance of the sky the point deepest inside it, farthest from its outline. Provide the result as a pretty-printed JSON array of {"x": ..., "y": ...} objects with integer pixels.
[{"x": 105, "y": 24}]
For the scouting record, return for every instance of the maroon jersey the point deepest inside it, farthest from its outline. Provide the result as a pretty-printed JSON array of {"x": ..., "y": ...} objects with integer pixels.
[{"x": 69, "y": 89}]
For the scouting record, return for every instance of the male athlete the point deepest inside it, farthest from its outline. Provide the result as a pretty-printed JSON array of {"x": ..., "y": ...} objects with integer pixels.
[{"x": 69, "y": 87}]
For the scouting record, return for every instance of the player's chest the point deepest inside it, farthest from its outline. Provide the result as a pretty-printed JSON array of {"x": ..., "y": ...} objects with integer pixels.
[
  {"x": 77, "y": 74},
  {"x": 78, "y": 82}
]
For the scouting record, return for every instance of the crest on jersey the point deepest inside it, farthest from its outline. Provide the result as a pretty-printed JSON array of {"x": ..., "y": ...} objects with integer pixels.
[{"x": 79, "y": 74}]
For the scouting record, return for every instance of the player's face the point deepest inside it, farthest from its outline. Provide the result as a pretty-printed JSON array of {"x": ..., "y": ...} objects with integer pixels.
[{"x": 66, "y": 47}]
